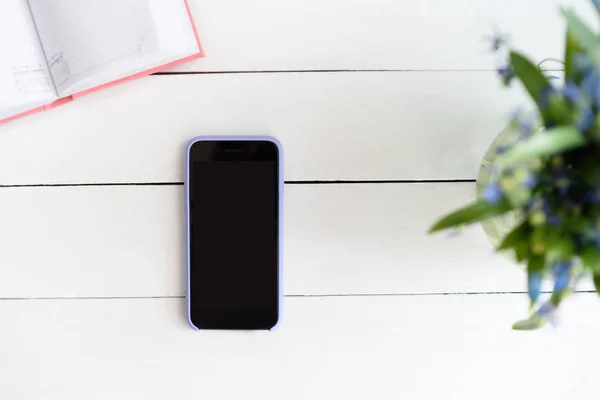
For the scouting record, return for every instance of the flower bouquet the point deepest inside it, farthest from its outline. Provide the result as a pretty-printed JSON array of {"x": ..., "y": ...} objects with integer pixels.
[{"x": 549, "y": 179}]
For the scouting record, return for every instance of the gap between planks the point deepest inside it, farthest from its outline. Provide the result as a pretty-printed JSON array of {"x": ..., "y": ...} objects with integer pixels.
[
  {"x": 308, "y": 182},
  {"x": 433, "y": 294},
  {"x": 324, "y": 71}
]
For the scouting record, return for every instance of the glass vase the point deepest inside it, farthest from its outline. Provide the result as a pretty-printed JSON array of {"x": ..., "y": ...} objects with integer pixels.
[{"x": 496, "y": 228}]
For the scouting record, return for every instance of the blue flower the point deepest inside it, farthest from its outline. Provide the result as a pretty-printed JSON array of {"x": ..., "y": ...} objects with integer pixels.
[
  {"x": 493, "y": 170},
  {"x": 546, "y": 204},
  {"x": 526, "y": 125},
  {"x": 545, "y": 309},
  {"x": 591, "y": 86},
  {"x": 590, "y": 83},
  {"x": 546, "y": 96},
  {"x": 591, "y": 197},
  {"x": 502, "y": 149},
  {"x": 583, "y": 62},
  {"x": 585, "y": 119},
  {"x": 530, "y": 180},
  {"x": 534, "y": 285},
  {"x": 516, "y": 114},
  {"x": 561, "y": 276},
  {"x": 507, "y": 74},
  {"x": 493, "y": 193},
  {"x": 554, "y": 220},
  {"x": 497, "y": 42},
  {"x": 572, "y": 92}
]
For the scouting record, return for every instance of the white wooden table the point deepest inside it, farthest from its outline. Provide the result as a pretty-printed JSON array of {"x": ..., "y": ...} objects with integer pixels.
[{"x": 360, "y": 91}]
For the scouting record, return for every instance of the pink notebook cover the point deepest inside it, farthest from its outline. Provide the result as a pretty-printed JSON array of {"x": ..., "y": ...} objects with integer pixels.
[{"x": 172, "y": 64}]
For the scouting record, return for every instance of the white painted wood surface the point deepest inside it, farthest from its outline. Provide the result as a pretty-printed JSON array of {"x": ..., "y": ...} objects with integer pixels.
[
  {"x": 336, "y": 126},
  {"x": 65, "y": 242},
  {"x": 374, "y": 34},
  {"x": 91, "y": 277},
  {"x": 423, "y": 347},
  {"x": 374, "y": 244}
]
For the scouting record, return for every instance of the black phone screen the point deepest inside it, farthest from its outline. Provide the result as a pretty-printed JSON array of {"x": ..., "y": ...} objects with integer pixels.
[{"x": 234, "y": 234}]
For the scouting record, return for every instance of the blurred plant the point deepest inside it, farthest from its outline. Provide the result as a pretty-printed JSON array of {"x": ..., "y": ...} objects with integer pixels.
[{"x": 555, "y": 194}]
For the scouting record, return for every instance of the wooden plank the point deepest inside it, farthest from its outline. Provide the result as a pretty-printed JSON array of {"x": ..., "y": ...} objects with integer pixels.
[
  {"x": 339, "y": 239},
  {"x": 434, "y": 125},
  {"x": 431, "y": 347},
  {"x": 376, "y": 34}
]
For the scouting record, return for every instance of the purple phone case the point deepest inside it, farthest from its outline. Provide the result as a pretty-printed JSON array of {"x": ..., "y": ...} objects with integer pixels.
[{"x": 187, "y": 214}]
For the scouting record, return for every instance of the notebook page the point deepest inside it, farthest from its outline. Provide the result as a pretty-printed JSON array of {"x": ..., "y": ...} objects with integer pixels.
[
  {"x": 25, "y": 82},
  {"x": 81, "y": 38},
  {"x": 174, "y": 27}
]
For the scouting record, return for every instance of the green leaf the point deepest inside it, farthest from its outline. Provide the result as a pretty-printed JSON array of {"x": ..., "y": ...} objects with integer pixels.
[
  {"x": 583, "y": 35},
  {"x": 597, "y": 282},
  {"x": 554, "y": 233},
  {"x": 521, "y": 251},
  {"x": 478, "y": 211},
  {"x": 571, "y": 48},
  {"x": 578, "y": 225},
  {"x": 558, "y": 297},
  {"x": 559, "y": 111},
  {"x": 545, "y": 143},
  {"x": 530, "y": 324},
  {"x": 539, "y": 240},
  {"x": 591, "y": 259},
  {"x": 560, "y": 250},
  {"x": 517, "y": 240},
  {"x": 515, "y": 236},
  {"x": 533, "y": 79},
  {"x": 588, "y": 167},
  {"x": 536, "y": 264}
]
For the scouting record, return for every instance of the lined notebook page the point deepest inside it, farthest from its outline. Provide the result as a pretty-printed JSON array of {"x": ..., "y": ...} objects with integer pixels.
[
  {"x": 24, "y": 79},
  {"x": 82, "y": 36}
]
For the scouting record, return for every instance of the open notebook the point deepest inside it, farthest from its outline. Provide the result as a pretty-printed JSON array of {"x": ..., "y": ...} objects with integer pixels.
[{"x": 52, "y": 51}]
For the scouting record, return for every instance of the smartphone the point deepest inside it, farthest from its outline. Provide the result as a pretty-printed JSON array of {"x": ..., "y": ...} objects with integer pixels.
[{"x": 234, "y": 194}]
